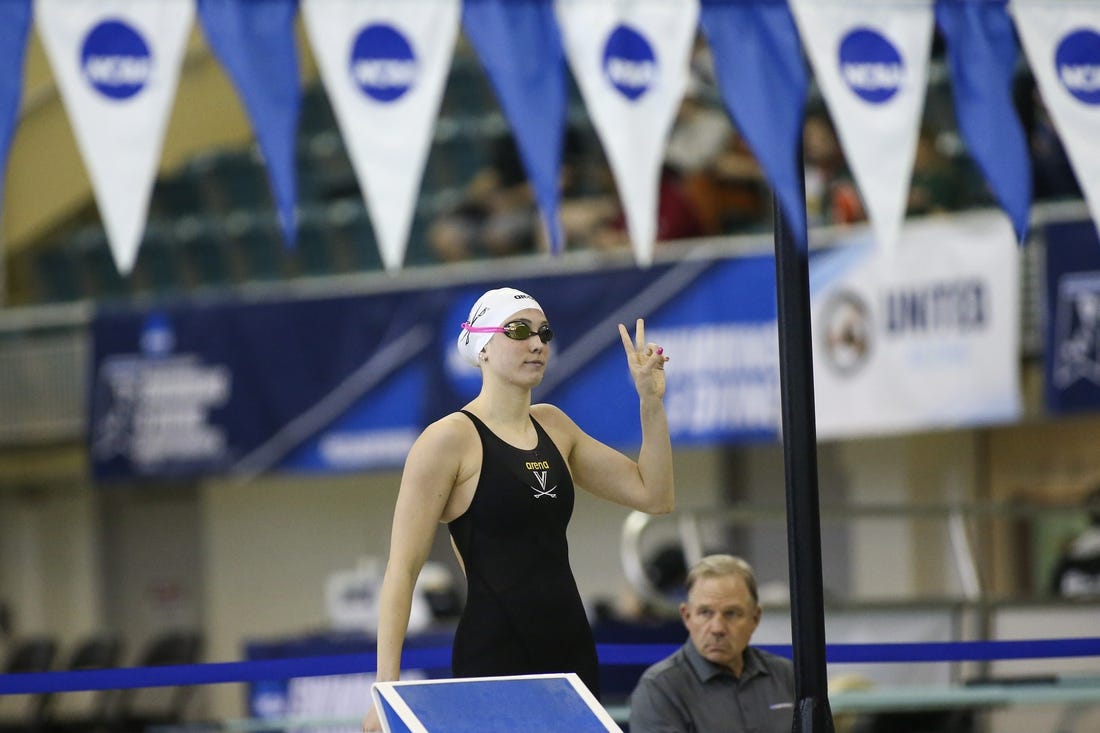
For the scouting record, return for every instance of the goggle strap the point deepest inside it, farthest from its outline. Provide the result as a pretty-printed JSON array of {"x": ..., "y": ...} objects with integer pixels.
[{"x": 482, "y": 329}]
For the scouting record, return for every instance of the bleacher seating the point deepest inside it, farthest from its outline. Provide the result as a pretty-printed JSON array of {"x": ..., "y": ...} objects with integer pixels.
[
  {"x": 137, "y": 709},
  {"x": 23, "y": 713},
  {"x": 85, "y": 710}
]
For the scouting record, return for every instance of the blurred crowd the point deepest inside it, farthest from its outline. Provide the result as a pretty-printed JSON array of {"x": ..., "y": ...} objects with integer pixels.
[{"x": 711, "y": 184}]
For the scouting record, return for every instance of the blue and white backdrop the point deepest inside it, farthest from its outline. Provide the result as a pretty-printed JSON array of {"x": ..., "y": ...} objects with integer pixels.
[{"x": 384, "y": 63}]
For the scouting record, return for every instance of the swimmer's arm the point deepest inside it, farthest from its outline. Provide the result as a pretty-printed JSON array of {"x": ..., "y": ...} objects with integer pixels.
[
  {"x": 428, "y": 479},
  {"x": 645, "y": 485}
]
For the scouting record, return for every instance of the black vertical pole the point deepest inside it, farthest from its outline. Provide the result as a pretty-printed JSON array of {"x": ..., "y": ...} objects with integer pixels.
[{"x": 796, "y": 379}]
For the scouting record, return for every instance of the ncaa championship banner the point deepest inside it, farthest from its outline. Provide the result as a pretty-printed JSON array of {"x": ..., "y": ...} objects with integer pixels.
[
  {"x": 924, "y": 337},
  {"x": 1072, "y": 353},
  {"x": 921, "y": 340}
]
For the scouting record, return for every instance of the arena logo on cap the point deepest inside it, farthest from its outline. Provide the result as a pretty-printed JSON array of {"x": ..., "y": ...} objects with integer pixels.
[
  {"x": 116, "y": 60},
  {"x": 871, "y": 65},
  {"x": 629, "y": 62},
  {"x": 1078, "y": 62},
  {"x": 383, "y": 64}
]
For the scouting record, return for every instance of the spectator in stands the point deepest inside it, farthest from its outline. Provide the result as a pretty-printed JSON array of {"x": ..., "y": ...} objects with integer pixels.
[
  {"x": 720, "y": 177},
  {"x": 936, "y": 185},
  {"x": 497, "y": 215},
  {"x": 676, "y": 216},
  {"x": 1077, "y": 574},
  {"x": 831, "y": 194},
  {"x": 716, "y": 681},
  {"x": 1052, "y": 173}
]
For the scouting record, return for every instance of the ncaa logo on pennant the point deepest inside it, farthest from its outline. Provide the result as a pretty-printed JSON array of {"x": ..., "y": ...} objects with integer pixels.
[
  {"x": 629, "y": 62},
  {"x": 1077, "y": 60},
  {"x": 870, "y": 65},
  {"x": 116, "y": 60},
  {"x": 383, "y": 64}
]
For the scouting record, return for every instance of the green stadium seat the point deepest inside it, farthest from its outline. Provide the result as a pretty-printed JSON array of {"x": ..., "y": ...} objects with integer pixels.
[
  {"x": 204, "y": 252},
  {"x": 57, "y": 274}
]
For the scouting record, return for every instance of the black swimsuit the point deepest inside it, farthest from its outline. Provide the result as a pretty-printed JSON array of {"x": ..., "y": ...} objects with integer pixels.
[{"x": 523, "y": 612}]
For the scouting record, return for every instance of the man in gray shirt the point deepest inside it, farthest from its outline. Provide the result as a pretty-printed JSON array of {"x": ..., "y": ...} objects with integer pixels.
[{"x": 716, "y": 683}]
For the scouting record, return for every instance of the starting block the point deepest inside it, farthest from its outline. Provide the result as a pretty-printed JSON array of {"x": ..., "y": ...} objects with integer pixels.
[{"x": 542, "y": 703}]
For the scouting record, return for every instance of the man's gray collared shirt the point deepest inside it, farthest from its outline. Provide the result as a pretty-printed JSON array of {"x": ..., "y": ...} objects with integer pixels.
[{"x": 685, "y": 693}]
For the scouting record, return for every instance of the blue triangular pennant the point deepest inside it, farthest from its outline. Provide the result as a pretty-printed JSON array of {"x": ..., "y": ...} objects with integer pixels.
[
  {"x": 15, "y": 22},
  {"x": 519, "y": 44},
  {"x": 254, "y": 40},
  {"x": 981, "y": 55},
  {"x": 763, "y": 80}
]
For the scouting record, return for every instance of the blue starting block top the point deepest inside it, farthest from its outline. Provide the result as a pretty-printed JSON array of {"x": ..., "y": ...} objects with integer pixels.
[{"x": 544, "y": 703}]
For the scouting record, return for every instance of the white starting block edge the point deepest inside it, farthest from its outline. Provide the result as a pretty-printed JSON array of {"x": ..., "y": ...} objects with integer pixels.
[{"x": 389, "y": 702}]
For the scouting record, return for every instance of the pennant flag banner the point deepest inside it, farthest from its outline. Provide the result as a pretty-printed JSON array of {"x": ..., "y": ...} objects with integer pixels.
[
  {"x": 630, "y": 59},
  {"x": 255, "y": 43},
  {"x": 1062, "y": 42},
  {"x": 384, "y": 64},
  {"x": 871, "y": 62},
  {"x": 15, "y": 23},
  {"x": 117, "y": 65},
  {"x": 981, "y": 54},
  {"x": 758, "y": 60},
  {"x": 520, "y": 47}
]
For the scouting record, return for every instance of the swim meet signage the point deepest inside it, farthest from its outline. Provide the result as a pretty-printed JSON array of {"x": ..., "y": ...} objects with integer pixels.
[
  {"x": 922, "y": 338},
  {"x": 1072, "y": 353}
]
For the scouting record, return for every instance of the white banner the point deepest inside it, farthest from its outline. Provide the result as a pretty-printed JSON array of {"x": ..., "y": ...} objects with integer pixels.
[
  {"x": 384, "y": 64},
  {"x": 924, "y": 336},
  {"x": 1061, "y": 39},
  {"x": 630, "y": 60},
  {"x": 117, "y": 65},
  {"x": 870, "y": 60}
]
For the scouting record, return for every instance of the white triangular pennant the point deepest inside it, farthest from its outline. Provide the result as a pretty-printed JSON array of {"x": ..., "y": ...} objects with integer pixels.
[
  {"x": 1062, "y": 43},
  {"x": 871, "y": 64},
  {"x": 117, "y": 64},
  {"x": 384, "y": 64},
  {"x": 630, "y": 59}
]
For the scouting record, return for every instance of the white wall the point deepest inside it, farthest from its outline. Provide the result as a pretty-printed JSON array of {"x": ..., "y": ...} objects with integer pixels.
[
  {"x": 50, "y": 561},
  {"x": 269, "y": 546}
]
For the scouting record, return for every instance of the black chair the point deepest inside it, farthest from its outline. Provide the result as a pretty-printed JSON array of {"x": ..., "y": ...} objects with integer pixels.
[
  {"x": 24, "y": 712},
  {"x": 139, "y": 708},
  {"x": 87, "y": 710}
]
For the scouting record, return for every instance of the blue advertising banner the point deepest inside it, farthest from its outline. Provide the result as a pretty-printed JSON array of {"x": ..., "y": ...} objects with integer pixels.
[
  {"x": 347, "y": 383},
  {"x": 1072, "y": 351},
  {"x": 237, "y": 388}
]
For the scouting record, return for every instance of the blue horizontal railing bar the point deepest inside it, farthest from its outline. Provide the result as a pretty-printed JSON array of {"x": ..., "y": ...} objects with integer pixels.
[{"x": 440, "y": 658}]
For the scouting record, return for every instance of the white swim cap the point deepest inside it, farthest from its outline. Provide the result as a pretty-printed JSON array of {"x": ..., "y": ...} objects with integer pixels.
[{"x": 494, "y": 308}]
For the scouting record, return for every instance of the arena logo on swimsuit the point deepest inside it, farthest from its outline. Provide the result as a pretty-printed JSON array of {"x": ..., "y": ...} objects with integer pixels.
[
  {"x": 116, "y": 60},
  {"x": 382, "y": 62},
  {"x": 1078, "y": 62},
  {"x": 871, "y": 65},
  {"x": 629, "y": 62}
]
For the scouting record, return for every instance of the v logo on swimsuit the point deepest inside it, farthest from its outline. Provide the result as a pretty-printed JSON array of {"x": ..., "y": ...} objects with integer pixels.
[{"x": 540, "y": 476}]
